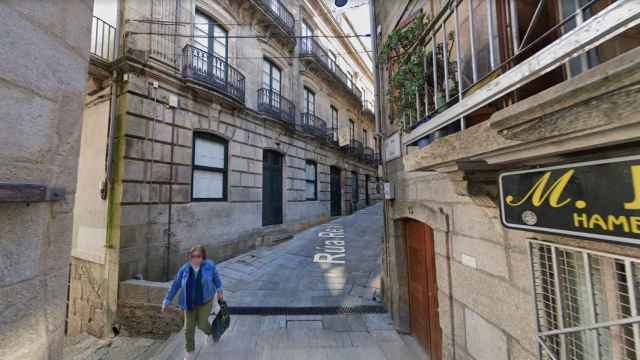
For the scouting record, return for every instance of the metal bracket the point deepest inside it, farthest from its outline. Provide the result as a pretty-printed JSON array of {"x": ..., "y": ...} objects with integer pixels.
[{"x": 22, "y": 192}]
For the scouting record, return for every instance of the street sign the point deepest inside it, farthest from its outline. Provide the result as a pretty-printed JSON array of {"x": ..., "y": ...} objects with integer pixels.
[
  {"x": 596, "y": 199},
  {"x": 392, "y": 148}
]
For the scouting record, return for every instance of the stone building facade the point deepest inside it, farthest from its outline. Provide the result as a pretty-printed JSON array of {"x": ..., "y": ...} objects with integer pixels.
[
  {"x": 43, "y": 72},
  {"x": 232, "y": 131},
  {"x": 454, "y": 275}
]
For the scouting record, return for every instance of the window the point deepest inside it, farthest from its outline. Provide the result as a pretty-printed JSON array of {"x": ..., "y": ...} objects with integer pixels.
[
  {"x": 209, "y": 172},
  {"x": 332, "y": 60},
  {"x": 309, "y": 101},
  {"x": 211, "y": 38},
  {"x": 365, "y": 137},
  {"x": 311, "y": 173},
  {"x": 271, "y": 76},
  {"x": 575, "y": 289},
  {"x": 306, "y": 41},
  {"x": 352, "y": 129},
  {"x": 271, "y": 81},
  {"x": 334, "y": 122}
]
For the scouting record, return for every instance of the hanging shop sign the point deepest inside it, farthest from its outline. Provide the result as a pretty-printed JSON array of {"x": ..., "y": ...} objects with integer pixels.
[{"x": 596, "y": 199}]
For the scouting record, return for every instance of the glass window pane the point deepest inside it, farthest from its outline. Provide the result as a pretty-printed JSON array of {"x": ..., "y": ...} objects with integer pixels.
[
  {"x": 452, "y": 62},
  {"x": 481, "y": 37},
  {"x": 440, "y": 51},
  {"x": 207, "y": 184},
  {"x": 209, "y": 153},
  {"x": 310, "y": 171},
  {"x": 466, "y": 67},
  {"x": 310, "y": 191}
]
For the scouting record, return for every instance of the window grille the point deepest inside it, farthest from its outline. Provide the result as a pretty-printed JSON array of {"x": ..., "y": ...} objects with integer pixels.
[{"x": 586, "y": 303}]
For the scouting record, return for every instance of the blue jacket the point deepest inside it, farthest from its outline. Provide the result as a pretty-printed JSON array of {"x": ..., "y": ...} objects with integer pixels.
[{"x": 210, "y": 283}]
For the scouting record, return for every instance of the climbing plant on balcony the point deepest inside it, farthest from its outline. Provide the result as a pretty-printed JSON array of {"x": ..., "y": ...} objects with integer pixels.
[{"x": 411, "y": 77}]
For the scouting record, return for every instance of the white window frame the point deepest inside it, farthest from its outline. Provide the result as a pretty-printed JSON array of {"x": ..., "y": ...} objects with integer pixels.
[{"x": 209, "y": 169}]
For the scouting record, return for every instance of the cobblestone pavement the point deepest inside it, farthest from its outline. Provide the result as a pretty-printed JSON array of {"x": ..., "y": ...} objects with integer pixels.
[{"x": 286, "y": 275}]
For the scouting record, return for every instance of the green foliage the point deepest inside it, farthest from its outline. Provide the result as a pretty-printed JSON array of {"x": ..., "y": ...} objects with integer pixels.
[{"x": 411, "y": 65}]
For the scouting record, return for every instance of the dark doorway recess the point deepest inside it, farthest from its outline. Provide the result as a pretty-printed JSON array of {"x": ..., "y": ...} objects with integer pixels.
[{"x": 271, "y": 188}]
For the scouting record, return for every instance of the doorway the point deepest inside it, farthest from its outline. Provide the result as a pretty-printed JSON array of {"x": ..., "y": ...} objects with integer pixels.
[
  {"x": 355, "y": 192},
  {"x": 366, "y": 190},
  {"x": 423, "y": 288},
  {"x": 336, "y": 192},
  {"x": 271, "y": 188}
]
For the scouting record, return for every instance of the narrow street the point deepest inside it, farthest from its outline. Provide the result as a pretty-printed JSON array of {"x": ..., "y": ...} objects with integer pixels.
[{"x": 285, "y": 277}]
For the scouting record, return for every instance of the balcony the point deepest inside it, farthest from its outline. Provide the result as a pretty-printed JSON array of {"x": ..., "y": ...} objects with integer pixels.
[
  {"x": 377, "y": 159},
  {"x": 313, "y": 53},
  {"x": 212, "y": 72},
  {"x": 367, "y": 108},
  {"x": 313, "y": 125},
  {"x": 102, "y": 49},
  {"x": 276, "y": 106},
  {"x": 278, "y": 18},
  {"x": 332, "y": 136},
  {"x": 367, "y": 154},
  {"x": 354, "y": 148}
]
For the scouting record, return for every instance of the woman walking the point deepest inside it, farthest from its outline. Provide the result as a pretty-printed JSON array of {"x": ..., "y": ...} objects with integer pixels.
[{"x": 199, "y": 281}]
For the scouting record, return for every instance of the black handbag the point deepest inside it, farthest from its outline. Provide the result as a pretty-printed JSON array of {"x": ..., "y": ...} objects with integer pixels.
[{"x": 221, "y": 323}]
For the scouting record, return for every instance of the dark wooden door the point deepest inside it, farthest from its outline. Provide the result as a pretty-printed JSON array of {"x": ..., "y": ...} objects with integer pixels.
[
  {"x": 366, "y": 189},
  {"x": 423, "y": 289},
  {"x": 271, "y": 188},
  {"x": 355, "y": 192},
  {"x": 336, "y": 192}
]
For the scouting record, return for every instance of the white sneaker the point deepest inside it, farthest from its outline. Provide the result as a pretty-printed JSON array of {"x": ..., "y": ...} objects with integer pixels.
[{"x": 189, "y": 356}]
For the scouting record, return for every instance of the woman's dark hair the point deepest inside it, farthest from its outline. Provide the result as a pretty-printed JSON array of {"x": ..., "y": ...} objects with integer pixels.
[{"x": 200, "y": 249}]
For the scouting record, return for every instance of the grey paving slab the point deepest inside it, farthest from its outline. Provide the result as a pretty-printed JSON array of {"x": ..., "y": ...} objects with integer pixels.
[
  {"x": 289, "y": 266},
  {"x": 285, "y": 275}
]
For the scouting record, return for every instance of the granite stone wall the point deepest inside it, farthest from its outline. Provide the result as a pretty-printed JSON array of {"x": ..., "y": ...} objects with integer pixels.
[{"x": 43, "y": 70}]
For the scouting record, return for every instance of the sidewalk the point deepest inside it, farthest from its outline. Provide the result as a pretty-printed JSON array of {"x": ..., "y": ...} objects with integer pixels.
[{"x": 335, "y": 337}]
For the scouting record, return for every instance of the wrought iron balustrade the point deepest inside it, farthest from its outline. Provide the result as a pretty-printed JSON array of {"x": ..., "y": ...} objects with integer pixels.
[
  {"x": 367, "y": 107},
  {"x": 354, "y": 147},
  {"x": 213, "y": 71},
  {"x": 313, "y": 125},
  {"x": 103, "y": 39},
  {"x": 310, "y": 47},
  {"x": 332, "y": 136},
  {"x": 279, "y": 13},
  {"x": 377, "y": 158},
  {"x": 272, "y": 103},
  {"x": 367, "y": 154}
]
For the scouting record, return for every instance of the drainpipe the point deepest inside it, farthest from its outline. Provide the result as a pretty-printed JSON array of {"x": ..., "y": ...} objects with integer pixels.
[
  {"x": 374, "y": 41},
  {"x": 113, "y": 106}
]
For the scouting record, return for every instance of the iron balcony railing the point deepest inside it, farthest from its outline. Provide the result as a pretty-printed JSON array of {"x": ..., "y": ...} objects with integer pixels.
[
  {"x": 354, "y": 147},
  {"x": 367, "y": 107},
  {"x": 213, "y": 71},
  {"x": 457, "y": 68},
  {"x": 313, "y": 125},
  {"x": 332, "y": 136},
  {"x": 310, "y": 47},
  {"x": 272, "y": 103},
  {"x": 377, "y": 158},
  {"x": 103, "y": 39},
  {"x": 367, "y": 154},
  {"x": 279, "y": 13}
]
